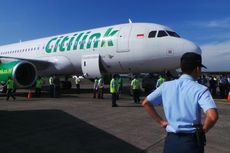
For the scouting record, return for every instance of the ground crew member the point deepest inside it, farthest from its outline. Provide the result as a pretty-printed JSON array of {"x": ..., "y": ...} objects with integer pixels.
[
  {"x": 51, "y": 86},
  {"x": 120, "y": 87},
  {"x": 57, "y": 86},
  {"x": 100, "y": 88},
  {"x": 113, "y": 90},
  {"x": 95, "y": 88},
  {"x": 77, "y": 82},
  {"x": 135, "y": 86},
  {"x": 160, "y": 81},
  {"x": 10, "y": 87},
  {"x": 182, "y": 101},
  {"x": 38, "y": 86}
]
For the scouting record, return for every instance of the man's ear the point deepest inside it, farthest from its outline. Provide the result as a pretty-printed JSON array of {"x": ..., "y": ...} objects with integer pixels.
[{"x": 196, "y": 71}]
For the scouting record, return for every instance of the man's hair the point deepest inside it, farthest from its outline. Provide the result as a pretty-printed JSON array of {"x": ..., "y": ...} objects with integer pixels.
[{"x": 185, "y": 68}]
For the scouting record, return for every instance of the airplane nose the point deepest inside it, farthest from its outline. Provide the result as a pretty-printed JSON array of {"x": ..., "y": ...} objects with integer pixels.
[{"x": 191, "y": 47}]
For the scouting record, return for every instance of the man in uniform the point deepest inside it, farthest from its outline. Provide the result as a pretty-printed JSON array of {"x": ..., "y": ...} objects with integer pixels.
[
  {"x": 135, "y": 86},
  {"x": 38, "y": 87},
  {"x": 10, "y": 87},
  {"x": 51, "y": 83},
  {"x": 100, "y": 88},
  {"x": 95, "y": 88},
  {"x": 77, "y": 82},
  {"x": 57, "y": 86},
  {"x": 113, "y": 90},
  {"x": 160, "y": 81},
  {"x": 182, "y": 101}
]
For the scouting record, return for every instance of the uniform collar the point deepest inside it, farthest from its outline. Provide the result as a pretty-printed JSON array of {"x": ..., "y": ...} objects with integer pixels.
[{"x": 187, "y": 77}]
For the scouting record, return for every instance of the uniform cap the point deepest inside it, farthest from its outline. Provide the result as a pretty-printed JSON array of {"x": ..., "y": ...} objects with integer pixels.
[{"x": 192, "y": 59}]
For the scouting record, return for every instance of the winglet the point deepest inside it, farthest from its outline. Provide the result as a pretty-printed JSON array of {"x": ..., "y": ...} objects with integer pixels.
[{"x": 130, "y": 21}]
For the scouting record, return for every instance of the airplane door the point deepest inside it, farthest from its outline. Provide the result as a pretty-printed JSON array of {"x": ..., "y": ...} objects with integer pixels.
[
  {"x": 123, "y": 38},
  {"x": 90, "y": 65}
]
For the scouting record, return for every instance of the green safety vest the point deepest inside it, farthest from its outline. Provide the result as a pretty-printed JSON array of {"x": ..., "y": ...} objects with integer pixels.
[
  {"x": 160, "y": 81},
  {"x": 113, "y": 86},
  {"x": 135, "y": 84},
  {"x": 10, "y": 84},
  {"x": 38, "y": 84},
  {"x": 95, "y": 86},
  {"x": 100, "y": 83}
]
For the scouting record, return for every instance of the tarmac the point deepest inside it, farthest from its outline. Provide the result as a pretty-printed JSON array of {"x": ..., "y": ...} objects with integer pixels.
[{"x": 77, "y": 123}]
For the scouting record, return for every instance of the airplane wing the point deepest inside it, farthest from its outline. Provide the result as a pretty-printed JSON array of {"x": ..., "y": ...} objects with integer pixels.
[{"x": 40, "y": 64}]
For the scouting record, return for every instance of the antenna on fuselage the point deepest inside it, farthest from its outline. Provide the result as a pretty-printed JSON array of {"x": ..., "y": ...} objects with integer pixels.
[{"x": 130, "y": 21}]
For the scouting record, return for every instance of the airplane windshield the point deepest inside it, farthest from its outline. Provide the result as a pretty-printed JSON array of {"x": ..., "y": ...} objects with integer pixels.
[
  {"x": 152, "y": 34},
  {"x": 162, "y": 33},
  {"x": 173, "y": 34}
]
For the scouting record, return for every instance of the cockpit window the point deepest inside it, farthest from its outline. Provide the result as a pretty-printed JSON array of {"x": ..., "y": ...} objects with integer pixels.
[
  {"x": 173, "y": 34},
  {"x": 152, "y": 34},
  {"x": 162, "y": 33}
]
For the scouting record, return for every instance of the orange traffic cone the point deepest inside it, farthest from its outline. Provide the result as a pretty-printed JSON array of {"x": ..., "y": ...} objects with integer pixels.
[
  {"x": 29, "y": 96},
  {"x": 228, "y": 96}
]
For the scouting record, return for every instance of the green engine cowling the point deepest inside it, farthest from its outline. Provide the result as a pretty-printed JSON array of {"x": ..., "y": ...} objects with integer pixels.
[{"x": 23, "y": 73}]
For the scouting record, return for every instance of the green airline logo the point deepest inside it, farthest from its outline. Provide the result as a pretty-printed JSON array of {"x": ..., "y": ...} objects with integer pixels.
[
  {"x": 6, "y": 71},
  {"x": 84, "y": 40}
]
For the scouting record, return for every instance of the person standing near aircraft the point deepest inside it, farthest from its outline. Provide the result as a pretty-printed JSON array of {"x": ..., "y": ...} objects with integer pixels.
[
  {"x": 95, "y": 87},
  {"x": 57, "y": 86},
  {"x": 135, "y": 86},
  {"x": 182, "y": 101},
  {"x": 51, "y": 86},
  {"x": 77, "y": 82},
  {"x": 10, "y": 87},
  {"x": 100, "y": 88},
  {"x": 113, "y": 90},
  {"x": 38, "y": 86},
  {"x": 213, "y": 85},
  {"x": 160, "y": 81}
]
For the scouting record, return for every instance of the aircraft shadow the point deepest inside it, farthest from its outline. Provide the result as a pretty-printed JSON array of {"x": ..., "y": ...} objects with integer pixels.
[{"x": 54, "y": 131}]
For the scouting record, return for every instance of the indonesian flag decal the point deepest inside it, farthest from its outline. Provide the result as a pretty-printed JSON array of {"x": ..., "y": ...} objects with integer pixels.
[{"x": 140, "y": 35}]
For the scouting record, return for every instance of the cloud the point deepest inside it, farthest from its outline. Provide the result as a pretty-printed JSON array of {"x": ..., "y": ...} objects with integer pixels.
[
  {"x": 221, "y": 23},
  {"x": 216, "y": 56}
]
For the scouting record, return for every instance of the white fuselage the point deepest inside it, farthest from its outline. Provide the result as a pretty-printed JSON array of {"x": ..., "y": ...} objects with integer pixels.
[{"x": 124, "y": 48}]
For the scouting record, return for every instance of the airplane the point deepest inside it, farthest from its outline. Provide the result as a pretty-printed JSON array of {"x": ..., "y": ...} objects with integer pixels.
[{"x": 122, "y": 48}]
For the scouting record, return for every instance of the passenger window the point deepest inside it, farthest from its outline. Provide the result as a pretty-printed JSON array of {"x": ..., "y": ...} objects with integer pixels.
[
  {"x": 152, "y": 34},
  {"x": 162, "y": 33}
]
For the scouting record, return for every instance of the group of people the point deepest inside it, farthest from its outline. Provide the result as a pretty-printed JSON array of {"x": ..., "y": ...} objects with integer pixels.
[
  {"x": 182, "y": 100},
  {"x": 54, "y": 83},
  {"x": 116, "y": 87},
  {"x": 98, "y": 88},
  {"x": 11, "y": 89},
  {"x": 218, "y": 86}
]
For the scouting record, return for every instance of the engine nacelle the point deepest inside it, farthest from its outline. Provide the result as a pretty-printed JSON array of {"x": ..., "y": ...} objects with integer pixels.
[{"x": 23, "y": 73}]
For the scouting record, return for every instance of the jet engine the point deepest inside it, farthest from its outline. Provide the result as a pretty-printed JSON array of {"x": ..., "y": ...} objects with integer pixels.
[{"x": 23, "y": 73}]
